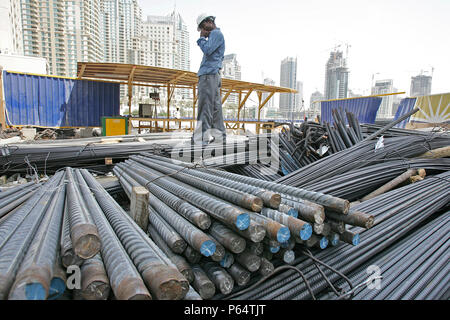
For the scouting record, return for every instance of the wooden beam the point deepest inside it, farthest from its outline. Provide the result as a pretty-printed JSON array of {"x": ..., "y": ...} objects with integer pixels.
[
  {"x": 83, "y": 68},
  {"x": 225, "y": 97}
]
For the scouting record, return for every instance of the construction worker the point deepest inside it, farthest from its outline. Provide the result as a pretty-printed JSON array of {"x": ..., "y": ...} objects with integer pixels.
[{"x": 210, "y": 125}]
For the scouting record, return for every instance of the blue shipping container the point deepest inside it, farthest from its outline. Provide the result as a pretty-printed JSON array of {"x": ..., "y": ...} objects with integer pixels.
[
  {"x": 47, "y": 101},
  {"x": 365, "y": 109}
]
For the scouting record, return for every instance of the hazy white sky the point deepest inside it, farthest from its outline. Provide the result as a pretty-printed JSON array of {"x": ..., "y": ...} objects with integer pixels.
[{"x": 390, "y": 39}]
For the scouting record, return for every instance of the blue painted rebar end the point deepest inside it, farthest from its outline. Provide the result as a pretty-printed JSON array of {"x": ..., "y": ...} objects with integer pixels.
[
  {"x": 274, "y": 249},
  {"x": 356, "y": 240},
  {"x": 283, "y": 234},
  {"x": 243, "y": 221},
  {"x": 57, "y": 288},
  {"x": 306, "y": 231},
  {"x": 323, "y": 243},
  {"x": 208, "y": 248},
  {"x": 293, "y": 212},
  {"x": 35, "y": 291}
]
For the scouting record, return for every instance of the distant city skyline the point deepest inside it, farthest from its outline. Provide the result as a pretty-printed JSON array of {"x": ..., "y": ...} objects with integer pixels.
[
  {"x": 385, "y": 38},
  {"x": 381, "y": 40}
]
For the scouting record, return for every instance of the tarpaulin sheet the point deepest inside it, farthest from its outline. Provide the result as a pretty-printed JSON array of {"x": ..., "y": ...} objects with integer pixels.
[
  {"x": 45, "y": 101},
  {"x": 365, "y": 109},
  {"x": 406, "y": 105}
]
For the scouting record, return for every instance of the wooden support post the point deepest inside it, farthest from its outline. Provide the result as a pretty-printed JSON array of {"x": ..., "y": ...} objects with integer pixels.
[
  {"x": 139, "y": 206},
  {"x": 259, "y": 93}
]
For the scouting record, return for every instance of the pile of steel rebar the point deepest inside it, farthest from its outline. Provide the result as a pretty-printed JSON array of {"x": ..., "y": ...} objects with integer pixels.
[
  {"x": 364, "y": 153},
  {"x": 234, "y": 224},
  {"x": 397, "y": 213},
  {"x": 72, "y": 221}
]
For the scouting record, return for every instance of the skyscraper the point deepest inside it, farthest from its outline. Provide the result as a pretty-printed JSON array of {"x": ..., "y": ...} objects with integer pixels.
[
  {"x": 314, "y": 104},
  {"x": 299, "y": 97},
  {"x": 383, "y": 87},
  {"x": 11, "y": 41},
  {"x": 288, "y": 79},
  {"x": 270, "y": 103},
  {"x": 164, "y": 43},
  {"x": 420, "y": 85},
  {"x": 121, "y": 30},
  {"x": 83, "y": 33},
  {"x": 44, "y": 28},
  {"x": 336, "y": 76},
  {"x": 231, "y": 70}
]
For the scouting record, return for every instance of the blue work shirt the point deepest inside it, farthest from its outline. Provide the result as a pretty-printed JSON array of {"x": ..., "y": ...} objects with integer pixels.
[{"x": 213, "y": 50}]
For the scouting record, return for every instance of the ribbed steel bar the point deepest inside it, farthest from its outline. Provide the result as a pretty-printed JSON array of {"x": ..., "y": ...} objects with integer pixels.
[
  {"x": 270, "y": 199},
  {"x": 310, "y": 212},
  {"x": 227, "y": 260},
  {"x": 217, "y": 209},
  {"x": 13, "y": 190},
  {"x": 327, "y": 201},
  {"x": 187, "y": 210},
  {"x": 239, "y": 274},
  {"x": 68, "y": 256},
  {"x": 249, "y": 260},
  {"x": 15, "y": 245},
  {"x": 255, "y": 248},
  {"x": 298, "y": 228},
  {"x": 179, "y": 281},
  {"x": 191, "y": 234},
  {"x": 171, "y": 237},
  {"x": 11, "y": 205},
  {"x": 202, "y": 284},
  {"x": 12, "y": 222},
  {"x": 237, "y": 197},
  {"x": 228, "y": 238},
  {"x": 35, "y": 273},
  {"x": 192, "y": 255},
  {"x": 124, "y": 278},
  {"x": 83, "y": 231},
  {"x": 354, "y": 218},
  {"x": 266, "y": 267},
  {"x": 274, "y": 229},
  {"x": 94, "y": 280},
  {"x": 345, "y": 258},
  {"x": 220, "y": 277},
  {"x": 219, "y": 253},
  {"x": 163, "y": 280},
  {"x": 179, "y": 261}
]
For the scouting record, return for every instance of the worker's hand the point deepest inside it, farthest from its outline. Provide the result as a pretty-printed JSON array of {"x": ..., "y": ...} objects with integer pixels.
[{"x": 204, "y": 33}]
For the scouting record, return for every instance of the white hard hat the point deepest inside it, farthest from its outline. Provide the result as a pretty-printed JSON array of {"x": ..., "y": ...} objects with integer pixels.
[{"x": 202, "y": 17}]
